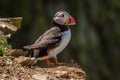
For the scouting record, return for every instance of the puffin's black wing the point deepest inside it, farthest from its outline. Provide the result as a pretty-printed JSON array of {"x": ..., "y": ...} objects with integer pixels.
[{"x": 49, "y": 39}]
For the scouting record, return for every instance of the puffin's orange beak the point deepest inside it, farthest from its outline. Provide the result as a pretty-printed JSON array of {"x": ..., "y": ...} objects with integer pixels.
[{"x": 72, "y": 21}]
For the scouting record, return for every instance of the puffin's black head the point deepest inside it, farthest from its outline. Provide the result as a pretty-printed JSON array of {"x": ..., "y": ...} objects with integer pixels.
[{"x": 63, "y": 18}]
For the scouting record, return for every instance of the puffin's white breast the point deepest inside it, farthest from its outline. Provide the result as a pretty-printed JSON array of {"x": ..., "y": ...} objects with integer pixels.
[{"x": 64, "y": 41}]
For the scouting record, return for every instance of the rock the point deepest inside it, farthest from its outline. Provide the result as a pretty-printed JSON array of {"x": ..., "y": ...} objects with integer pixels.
[
  {"x": 9, "y": 61},
  {"x": 40, "y": 76},
  {"x": 7, "y": 28},
  {"x": 28, "y": 61},
  {"x": 13, "y": 21},
  {"x": 11, "y": 69},
  {"x": 10, "y": 25},
  {"x": 16, "y": 52}
]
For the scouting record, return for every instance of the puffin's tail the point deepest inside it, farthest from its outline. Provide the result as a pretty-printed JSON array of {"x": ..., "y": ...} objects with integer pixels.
[{"x": 29, "y": 47}]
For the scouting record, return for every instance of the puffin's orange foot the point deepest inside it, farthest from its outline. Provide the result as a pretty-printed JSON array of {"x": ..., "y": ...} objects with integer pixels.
[
  {"x": 51, "y": 64},
  {"x": 56, "y": 61},
  {"x": 48, "y": 62}
]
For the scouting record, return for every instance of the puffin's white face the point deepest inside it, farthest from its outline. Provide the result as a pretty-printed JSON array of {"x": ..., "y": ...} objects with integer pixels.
[{"x": 63, "y": 18}]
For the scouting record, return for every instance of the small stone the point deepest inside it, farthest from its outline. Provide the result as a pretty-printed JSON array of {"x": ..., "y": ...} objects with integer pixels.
[
  {"x": 9, "y": 61},
  {"x": 40, "y": 76},
  {"x": 61, "y": 72}
]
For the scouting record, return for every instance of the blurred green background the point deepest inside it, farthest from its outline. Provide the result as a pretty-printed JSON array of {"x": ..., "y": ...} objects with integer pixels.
[{"x": 95, "y": 43}]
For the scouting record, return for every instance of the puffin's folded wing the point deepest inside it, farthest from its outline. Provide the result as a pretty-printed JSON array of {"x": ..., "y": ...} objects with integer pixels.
[
  {"x": 49, "y": 39},
  {"x": 33, "y": 46}
]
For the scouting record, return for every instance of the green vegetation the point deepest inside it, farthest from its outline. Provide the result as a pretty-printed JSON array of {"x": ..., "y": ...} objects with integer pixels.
[{"x": 4, "y": 46}]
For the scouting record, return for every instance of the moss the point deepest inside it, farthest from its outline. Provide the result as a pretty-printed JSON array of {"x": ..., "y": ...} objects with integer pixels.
[{"x": 4, "y": 46}]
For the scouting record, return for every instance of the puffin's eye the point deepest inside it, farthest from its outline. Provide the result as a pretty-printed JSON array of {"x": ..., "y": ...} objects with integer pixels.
[{"x": 62, "y": 15}]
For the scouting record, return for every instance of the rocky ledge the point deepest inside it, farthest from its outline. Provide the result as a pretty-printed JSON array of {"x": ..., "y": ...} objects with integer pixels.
[{"x": 11, "y": 69}]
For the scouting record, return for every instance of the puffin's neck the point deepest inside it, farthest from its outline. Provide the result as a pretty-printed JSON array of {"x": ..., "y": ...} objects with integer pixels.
[{"x": 62, "y": 27}]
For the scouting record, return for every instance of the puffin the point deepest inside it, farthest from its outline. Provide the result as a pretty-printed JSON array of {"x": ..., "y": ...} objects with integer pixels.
[{"x": 54, "y": 40}]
